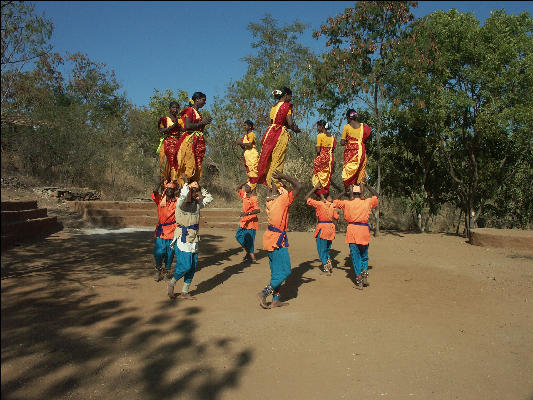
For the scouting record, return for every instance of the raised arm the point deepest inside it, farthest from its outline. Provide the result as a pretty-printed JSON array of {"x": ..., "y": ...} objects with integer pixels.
[
  {"x": 308, "y": 195},
  {"x": 206, "y": 198},
  {"x": 296, "y": 186}
]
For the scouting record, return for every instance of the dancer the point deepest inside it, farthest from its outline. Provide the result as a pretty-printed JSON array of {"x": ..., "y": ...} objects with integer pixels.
[
  {"x": 192, "y": 150},
  {"x": 164, "y": 232},
  {"x": 356, "y": 212},
  {"x": 325, "y": 228},
  {"x": 275, "y": 239},
  {"x": 323, "y": 163},
  {"x": 250, "y": 155},
  {"x": 354, "y": 136},
  {"x": 192, "y": 198},
  {"x": 248, "y": 226},
  {"x": 276, "y": 139},
  {"x": 171, "y": 127}
]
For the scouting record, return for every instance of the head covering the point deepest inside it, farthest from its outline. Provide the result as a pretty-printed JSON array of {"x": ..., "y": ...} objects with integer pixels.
[
  {"x": 193, "y": 185},
  {"x": 356, "y": 189}
]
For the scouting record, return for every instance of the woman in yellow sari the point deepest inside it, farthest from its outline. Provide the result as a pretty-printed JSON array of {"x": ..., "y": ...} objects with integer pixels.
[
  {"x": 354, "y": 136},
  {"x": 276, "y": 139},
  {"x": 323, "y": 162},
  {"x": 250, "y": 155}
]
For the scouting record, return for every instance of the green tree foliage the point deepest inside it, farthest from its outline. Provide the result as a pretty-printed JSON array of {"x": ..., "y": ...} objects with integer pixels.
[
  {"x": 358, "y": 62},
  {"x": 280, "y": 60},
  {"x": 472, "y": 87}
]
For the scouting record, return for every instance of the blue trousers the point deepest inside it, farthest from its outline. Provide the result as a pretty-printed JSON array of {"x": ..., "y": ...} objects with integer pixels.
[
  {"x": 359, "y": 253},
  {"x": 186, "y": 264},
  {"x": 246, "y": 238},
  {"x": 280, "y": 266},
  {"x": 163, "y": 251},
  {"x": 323, "y": 246}
]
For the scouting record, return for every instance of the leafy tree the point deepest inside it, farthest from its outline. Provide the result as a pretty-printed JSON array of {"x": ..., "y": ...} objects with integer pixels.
[
  {"x": 280, "y": 60},
  {"x": 25, "y": 37},
  {"x": 474, "y": 85},
  {"x": 358, "y": 62}
]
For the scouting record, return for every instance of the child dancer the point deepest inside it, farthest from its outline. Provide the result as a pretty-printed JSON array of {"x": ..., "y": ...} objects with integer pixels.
[
  {"x": 192, "y": 199},
  {"x": 248, "y": 227},
  {"x": 250, "y": 155},
  {"x": 356, "y": 212},
  {"x": 164, "y": 232},
  {"x": 325, "y": 228},
  {"x": 275, "y": 239}
]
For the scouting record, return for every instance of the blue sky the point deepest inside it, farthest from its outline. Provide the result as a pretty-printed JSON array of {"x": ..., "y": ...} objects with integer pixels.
[{"x": 195, "y": 45}]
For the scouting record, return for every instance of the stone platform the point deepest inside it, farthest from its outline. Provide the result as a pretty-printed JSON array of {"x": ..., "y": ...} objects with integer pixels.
[
  {"x": 23, "y": 220},
  {"x": 120, "y": 214},
  {"x": 504, "y": 238}
]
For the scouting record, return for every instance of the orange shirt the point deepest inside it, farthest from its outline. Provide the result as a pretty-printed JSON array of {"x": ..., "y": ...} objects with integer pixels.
[
  {"x": 357, "y": 210},
  {"x": 278, "y": 216},
  {"x": 249, "y": 203},
  {"x": 324, "y": 212},
  {"x": 166, "y": 214}
]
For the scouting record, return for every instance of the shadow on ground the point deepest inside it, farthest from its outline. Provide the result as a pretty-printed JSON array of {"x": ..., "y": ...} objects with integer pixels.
[{"x": 61, "y": 338}]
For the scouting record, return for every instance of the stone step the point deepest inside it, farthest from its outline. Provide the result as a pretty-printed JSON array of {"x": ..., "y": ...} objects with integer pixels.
[
  {"x": 95, "y": 212},
  {"x": 18, "y": 205},
  {"x": 80, "y": 206},
  {"x": 33, "y": 228},
  {"x": 22, "y": 215},
  {"x": 151, "y": 222}
]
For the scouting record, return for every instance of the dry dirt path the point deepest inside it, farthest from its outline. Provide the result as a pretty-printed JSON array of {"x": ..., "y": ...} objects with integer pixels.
[{"x": 82, "y": 318}]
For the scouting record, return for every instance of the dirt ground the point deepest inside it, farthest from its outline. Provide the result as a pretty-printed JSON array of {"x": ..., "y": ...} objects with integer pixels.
[{"x": 82, "y": 318}]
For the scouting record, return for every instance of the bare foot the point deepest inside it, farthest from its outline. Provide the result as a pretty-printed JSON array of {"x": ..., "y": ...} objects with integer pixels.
[
  {"x": 186, "y": 296},
  {"x": 262, "y": 300},
  {"x": 170, "y": 292},
  {"x": 277, "y": 303}
]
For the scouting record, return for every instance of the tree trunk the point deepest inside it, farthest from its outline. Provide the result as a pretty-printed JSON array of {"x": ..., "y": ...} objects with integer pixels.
[{"x": 378, "y": 145}]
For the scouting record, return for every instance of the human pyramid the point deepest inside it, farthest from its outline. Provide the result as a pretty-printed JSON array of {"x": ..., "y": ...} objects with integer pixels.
[{"x": 181, "y": 155}]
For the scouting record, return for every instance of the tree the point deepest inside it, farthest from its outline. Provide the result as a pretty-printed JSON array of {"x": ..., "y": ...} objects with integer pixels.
[
  {"x": 358, "y": 63},
  {"x": 474, "y": 85},
  {"x": 25, "y": 38},
  {"x": 280, "y": 60}
]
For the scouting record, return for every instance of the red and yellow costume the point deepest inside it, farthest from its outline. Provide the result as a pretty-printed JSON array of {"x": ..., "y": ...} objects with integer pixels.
[
  {"x": 169, "y": 148},
  {"x": 192, "y": 151},
  {"x": 323, "y": 163},
  {"x": 353, "y": 170},
  {"x": 274, "y": 144}
]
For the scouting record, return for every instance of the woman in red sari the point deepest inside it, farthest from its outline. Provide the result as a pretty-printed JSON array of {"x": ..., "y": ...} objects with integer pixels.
[
  {"x": 192, "y": 151},
  {"x": 171, "y": 127},
  {"x": 323, "y": 162},
  {"x": 354, "y": 136},
  {"x": 276, "y": 139}
]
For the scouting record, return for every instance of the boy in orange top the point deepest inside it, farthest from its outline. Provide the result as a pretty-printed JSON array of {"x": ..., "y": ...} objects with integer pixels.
[
  {"x": 248, "y": 227},
  {"x": 325, "y": 228},
  {"x": 164, "y": 232},
  {"x": 356, "y": 212},
  {"x": 275, "y": 239}
]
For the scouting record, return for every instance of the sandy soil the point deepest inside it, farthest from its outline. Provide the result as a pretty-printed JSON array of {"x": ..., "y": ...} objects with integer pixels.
[{"x": 82, "y": 318}]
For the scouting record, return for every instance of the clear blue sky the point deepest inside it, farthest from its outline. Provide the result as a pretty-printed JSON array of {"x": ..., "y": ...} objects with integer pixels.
[{"x": 195, "y": 45}]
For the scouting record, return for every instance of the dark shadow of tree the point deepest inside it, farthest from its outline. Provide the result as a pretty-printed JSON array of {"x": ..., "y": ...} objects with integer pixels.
[{"x": 68, "y": 337}]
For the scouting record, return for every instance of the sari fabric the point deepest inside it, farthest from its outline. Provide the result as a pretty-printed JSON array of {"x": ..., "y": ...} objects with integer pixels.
[
  {"x": 274, "y": 144},
  {"x": 323, "y": 163},
  {"x": 353, "y": 170},
  {"x": 250, "y": 156},
  {"x": 194, "y": 151},
  {"x": 170, "y": 148}
]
